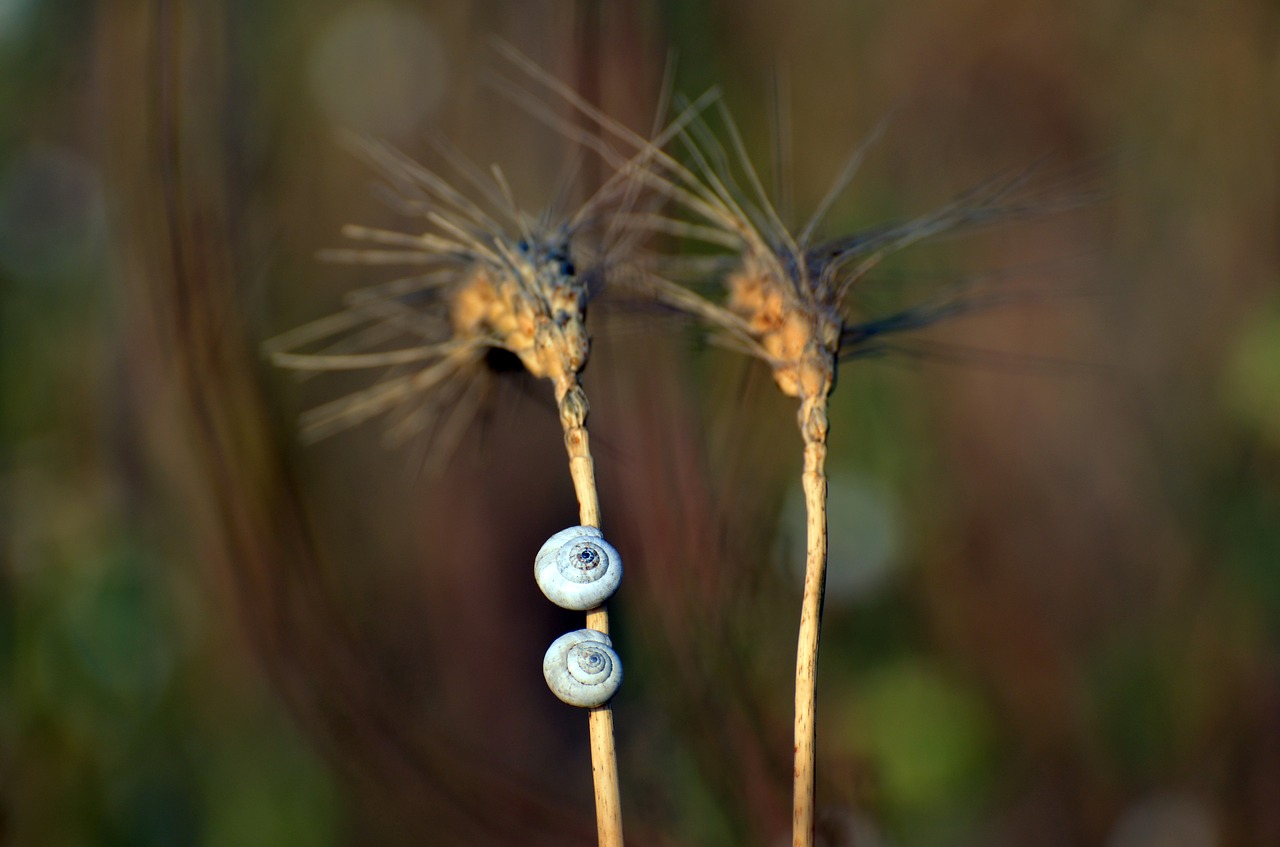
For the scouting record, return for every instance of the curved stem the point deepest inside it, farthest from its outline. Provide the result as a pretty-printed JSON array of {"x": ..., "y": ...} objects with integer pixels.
[
  {"x": 572, "y": 404},
  {"x": 814, "y": 481}
]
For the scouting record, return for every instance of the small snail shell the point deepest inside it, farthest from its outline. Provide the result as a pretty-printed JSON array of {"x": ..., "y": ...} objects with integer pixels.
[
  {"x": 577, "y": 569},
  {"x": 582, "y": 669}
]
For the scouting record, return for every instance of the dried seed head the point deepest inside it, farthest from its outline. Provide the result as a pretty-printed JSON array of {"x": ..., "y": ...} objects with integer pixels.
[
  {"x": 479, "y": 309},
  {"x": 799, "y": 336},
  {"x": 513, "y": 288},
  {"x": 533, "y": 306}
]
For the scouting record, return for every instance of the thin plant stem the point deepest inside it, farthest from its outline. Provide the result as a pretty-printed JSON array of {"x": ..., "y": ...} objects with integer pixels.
[
  {"x": 814, "y": 481},
  {"x": 572, "y": 404}
]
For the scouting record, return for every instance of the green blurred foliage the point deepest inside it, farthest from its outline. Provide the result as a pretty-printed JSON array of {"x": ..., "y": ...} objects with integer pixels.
[{"x": 925, "y": 738}]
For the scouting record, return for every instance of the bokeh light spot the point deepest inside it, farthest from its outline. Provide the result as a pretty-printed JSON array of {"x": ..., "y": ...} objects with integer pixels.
[
  {"x": 14, "y": 15},
  {"x": 52, "y": 214},
  {"x": 925, "y": 736},
  {"x": 1252, "y": 384},
  {"x": 378, "y": 69},
  {"x": 863, "y": 537},
  {"x": 1165, "y": 820}
]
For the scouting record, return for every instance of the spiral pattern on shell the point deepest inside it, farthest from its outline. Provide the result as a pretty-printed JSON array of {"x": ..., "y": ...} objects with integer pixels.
[
  {"x": 581, "y": 668},
  {"x": 577, "y": 569}
]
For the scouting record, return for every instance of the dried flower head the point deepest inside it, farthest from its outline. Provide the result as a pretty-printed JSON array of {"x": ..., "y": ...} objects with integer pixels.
[
  {"x": 786, "y": 295},
  {"x": 499, "y": 280}
]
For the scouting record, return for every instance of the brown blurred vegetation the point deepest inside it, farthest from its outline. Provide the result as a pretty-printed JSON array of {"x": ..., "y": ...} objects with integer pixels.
[{"x": 1054, "y": 615}]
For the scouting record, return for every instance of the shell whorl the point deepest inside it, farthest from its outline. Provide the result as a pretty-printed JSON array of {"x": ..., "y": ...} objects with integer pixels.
[
  {"x": 581, "y": 668},
  {"x": 577, "y": 569}
]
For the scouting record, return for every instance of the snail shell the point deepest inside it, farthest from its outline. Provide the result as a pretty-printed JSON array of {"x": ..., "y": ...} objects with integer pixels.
[
  {"x": 582, "y": 669},
  {"x": 577, "y": 569}
]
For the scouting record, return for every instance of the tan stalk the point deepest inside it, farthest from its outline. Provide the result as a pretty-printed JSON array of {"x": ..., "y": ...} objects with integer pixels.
[
  {"x": 814, "y": 481},
  {"x": 572, "y": 405}
]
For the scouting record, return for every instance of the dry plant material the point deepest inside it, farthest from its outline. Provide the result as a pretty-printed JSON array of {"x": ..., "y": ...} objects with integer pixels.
[
  {"x": 784, "y": 302},
  {"x": 786, "y": 305},
  {"x": 521, "y": 287}
]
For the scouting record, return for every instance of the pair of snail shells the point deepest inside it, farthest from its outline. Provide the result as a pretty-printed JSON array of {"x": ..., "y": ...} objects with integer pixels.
[
  {"x": 582, "y": 669},
  {"x": 577, "y": 569}
]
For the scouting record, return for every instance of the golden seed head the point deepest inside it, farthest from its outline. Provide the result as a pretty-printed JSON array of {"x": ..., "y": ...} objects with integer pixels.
[
  {"x": 801, "y": 338},
  {"x": 540, "y": 318}
]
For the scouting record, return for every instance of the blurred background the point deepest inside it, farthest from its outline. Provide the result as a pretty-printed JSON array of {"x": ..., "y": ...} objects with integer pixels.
[{"x": 1054, "y": 606}]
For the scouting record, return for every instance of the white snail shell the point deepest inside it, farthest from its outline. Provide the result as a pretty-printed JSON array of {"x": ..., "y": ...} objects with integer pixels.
[
  {"x": 577, "y": 569},
  {"x": 582, "y": 669}
]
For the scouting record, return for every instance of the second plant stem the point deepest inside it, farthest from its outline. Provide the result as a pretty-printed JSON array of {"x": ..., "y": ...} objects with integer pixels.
[
  {"x": 814, "y": 481},
  {"x": 572, "y": 405}
]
